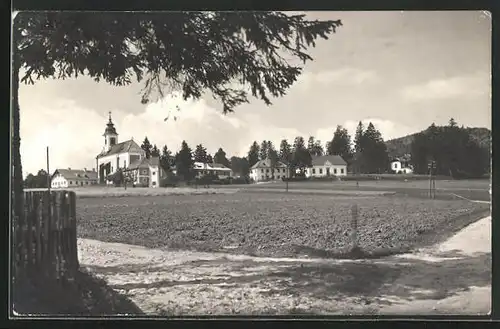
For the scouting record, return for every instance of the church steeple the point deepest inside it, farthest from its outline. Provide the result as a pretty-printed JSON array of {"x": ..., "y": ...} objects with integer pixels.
[{"x": 110, "y": 134}]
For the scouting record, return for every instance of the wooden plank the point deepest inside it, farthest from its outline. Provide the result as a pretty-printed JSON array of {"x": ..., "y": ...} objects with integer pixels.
[
  {"x": 50, "y": 237},
  {"x": 38, "y": 231},
  {"x": 73, "y": 236},
  {"x": 47, "y": 200},
  {"x": 27, "y": 232}
]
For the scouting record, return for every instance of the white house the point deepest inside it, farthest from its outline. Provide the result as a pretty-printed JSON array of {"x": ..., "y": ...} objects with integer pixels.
[
  {"x": 262, "y": 171},
  {"x": 327, "y": 165},
  {"x": 401, "y": 166},
  {"x": 145, "y": 172},
  {"x": 212, "y": 168},
  {"x": 64, "y": 178},
  {"x": 116, "y": 155}
]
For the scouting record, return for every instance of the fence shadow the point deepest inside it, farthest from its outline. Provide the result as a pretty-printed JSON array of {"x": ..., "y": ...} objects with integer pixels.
[{"x": 85, "y": 296}]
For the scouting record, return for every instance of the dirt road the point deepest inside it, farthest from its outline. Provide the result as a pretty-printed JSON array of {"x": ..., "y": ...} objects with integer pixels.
[{"x": 450, "y": 278}]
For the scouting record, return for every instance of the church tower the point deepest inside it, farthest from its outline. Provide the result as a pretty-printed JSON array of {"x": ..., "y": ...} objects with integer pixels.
[{"x": 110, "y": 135}]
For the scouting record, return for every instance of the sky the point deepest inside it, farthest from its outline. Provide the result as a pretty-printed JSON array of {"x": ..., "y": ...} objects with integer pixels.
[{"x": 399, "y": 70}]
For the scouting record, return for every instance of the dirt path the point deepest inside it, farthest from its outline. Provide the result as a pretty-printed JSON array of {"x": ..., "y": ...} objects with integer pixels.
[{"x": 453, "y": 277}]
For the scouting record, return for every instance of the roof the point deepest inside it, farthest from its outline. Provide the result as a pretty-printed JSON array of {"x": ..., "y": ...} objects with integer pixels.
[
  {"x": 76, "y": 174},
  {"x": 122, "y": 147},
  {"x": 267, "y": 164},
  {"x": 144, "y": 163},
  {"x": 210, "y": 166},
  {"x": 335, "y": 160}
]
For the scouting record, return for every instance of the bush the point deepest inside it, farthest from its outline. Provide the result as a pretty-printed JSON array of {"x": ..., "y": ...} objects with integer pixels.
[
  {"x": 240, "y": 180},
  {"x": 169, "y": 181}
]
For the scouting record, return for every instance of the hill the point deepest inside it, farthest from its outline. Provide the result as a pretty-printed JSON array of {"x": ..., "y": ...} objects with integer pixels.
[{"x": 399, "y": 146}]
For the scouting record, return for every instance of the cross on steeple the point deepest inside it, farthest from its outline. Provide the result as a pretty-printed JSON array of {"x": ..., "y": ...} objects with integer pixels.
[{"x": 109, "y": 116}]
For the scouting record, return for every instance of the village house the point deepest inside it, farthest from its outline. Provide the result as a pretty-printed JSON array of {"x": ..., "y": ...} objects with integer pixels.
[
  {"x": 401, "y": 166},
  {"x": 217, "y": 169},
  {"x": 116, "y": 155},
  {"x": 327, "y": 165},
  {"x": 263, "y": 171},
  {"x": 64, "y": 178},
  {"x": 145, "y": 172}
]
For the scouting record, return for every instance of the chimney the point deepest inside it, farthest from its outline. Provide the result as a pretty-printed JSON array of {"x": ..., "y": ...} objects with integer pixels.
[
  {"x": 69, "y": 168},
  {"x": 85, "y": 169}
]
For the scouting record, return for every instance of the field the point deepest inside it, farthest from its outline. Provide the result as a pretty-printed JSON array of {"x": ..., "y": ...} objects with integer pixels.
[
  {"x": 445, "y": 190},
  {"x": 274, "y": 224}
]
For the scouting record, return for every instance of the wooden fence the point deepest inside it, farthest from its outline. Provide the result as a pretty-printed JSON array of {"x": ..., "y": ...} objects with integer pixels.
[{"x": 44, "y": 239}]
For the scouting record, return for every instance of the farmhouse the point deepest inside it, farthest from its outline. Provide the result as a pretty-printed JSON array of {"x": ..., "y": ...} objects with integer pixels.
[
  {"x": 327, "y": 165},
  {"x": 262, "y": 171},
  {"x": 145, "y": 172},
  {"x": 212, "y": 169},
  {"x": 63, "y": 178},
  {"x": 401, "y": 166}
]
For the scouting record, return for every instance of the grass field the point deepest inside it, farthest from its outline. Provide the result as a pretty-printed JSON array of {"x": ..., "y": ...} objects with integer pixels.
[
  {"x": 272, "y": 224},
  {"x": 471, "y": 189}
]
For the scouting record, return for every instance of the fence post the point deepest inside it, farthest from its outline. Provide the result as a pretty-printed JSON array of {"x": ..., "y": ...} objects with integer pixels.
[
  {"x": 354, "y": 225},
  {"x": 73, "y": 236}
]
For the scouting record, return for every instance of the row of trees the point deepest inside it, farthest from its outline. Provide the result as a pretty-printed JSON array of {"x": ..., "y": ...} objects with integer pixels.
[
  {"x": 40, "y": 180},
  {"x": 369, "y": 154},
  {"x": 453, "y": 150}
]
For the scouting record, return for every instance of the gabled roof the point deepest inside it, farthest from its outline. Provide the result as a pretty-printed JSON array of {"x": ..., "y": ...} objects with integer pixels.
[
  {"x": 76, "y": 174},
  {"x": 127, "y": 146},
  {"x": 210, "y": 166},
  {"x": 335, "y": 160},
  {"x": 144, "y": 163},
  {"x": 267, "y": 164}
]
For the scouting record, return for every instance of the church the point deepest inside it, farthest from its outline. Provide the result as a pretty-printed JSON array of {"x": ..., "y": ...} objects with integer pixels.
[{"x": 129, "y": 157}]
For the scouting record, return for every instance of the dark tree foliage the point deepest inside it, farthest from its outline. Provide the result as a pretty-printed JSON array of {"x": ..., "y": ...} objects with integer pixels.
[
  {"x": 341, "y": 144},
  {"x": 285, "y": 154},
  {"x": 455, "y": 152},
  {"x": 374, "y": 157},
  {"x": 184, "y": 162},
  {"x": 301, "y": 158},
  {"x": 147, "y": 147},
  {"x": 217, "y": 52},
  {"x": 253, "y": 154},
  {"x": 200, "y": 154},
  {"x": 40, "y": 180},
  {"x": 155, "y": 152},
  {"x": 263, "y": 150},
  {"x": 220, "y": 158},
  {"x": 240, "y": 166},
  {"x": 166, "y": 159}
]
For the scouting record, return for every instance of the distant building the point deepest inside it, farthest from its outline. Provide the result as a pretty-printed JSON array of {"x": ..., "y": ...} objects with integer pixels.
[
  {"x": 327, "y": 165},
  {"x": 145, "y": 172},
  {"x": 401, "y": 166},
  {"x": 116, "y": 155},
  {"x": 212, "y": 169},
  {"x": 262, "y": 171},
  {"x": 64, "y": 178}
]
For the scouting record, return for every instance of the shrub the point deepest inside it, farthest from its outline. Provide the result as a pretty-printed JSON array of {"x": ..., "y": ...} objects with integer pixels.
[{"x": 170, "y": 181}]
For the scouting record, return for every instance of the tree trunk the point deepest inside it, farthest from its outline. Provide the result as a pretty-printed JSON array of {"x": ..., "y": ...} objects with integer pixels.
[{"x": 16, "y": 169}]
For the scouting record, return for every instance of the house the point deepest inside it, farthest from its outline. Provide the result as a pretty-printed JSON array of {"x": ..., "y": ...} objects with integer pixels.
[
  {"x": 262, "y": 171},
  {"x": 145, "y": 172},
  {"x": 116, "y": 155},
  {"x": 401, "y": 166},
  {"x": 64, "y": 178},
  {"x": 218, "y": 169},
  {"x": 327, "y": 165}
]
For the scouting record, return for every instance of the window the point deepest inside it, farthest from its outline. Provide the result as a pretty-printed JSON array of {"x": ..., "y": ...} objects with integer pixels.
[
  {"x": 124, "y": 163},
  {"x": 314, "y": 170},
  {"x": 320, "y": 170},
  {"x": 112, "y": 141},
  {"x": 342, "y": 170},
  {"x": 335, "y": 171},
  {"x": 278, "y": 177},
  {"x": 70, "y": 182},
  {"x": 87, "y": 183},
  {"x": 262, "y": 170},
  {"x": 154, "y": 183},
  {"x": 154, "y": 173},
  {"x": 267, "y": 170}
]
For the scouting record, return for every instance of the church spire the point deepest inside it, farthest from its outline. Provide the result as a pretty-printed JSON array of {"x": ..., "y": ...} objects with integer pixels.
[{"x": 110, "y": 127}]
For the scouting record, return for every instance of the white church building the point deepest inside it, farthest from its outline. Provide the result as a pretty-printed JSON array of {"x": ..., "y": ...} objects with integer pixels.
[{"x": 128, "y": 156}]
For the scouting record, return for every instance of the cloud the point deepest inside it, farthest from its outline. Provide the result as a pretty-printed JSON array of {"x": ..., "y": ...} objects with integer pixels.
[
  {"x": 472, "y": 86},
  {"x": 344, "y": 76},
  {"x": 74, "y": 133}
]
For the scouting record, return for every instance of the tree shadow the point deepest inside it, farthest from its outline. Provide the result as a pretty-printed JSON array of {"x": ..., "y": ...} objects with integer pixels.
[
  {"x": 85, "y": 296},
  {"x": 383, "y": 281}
]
